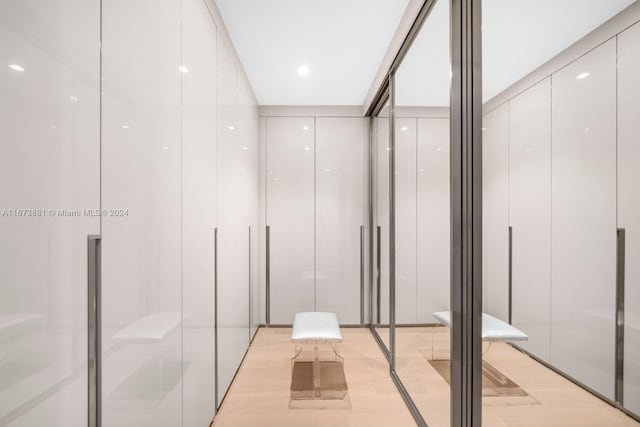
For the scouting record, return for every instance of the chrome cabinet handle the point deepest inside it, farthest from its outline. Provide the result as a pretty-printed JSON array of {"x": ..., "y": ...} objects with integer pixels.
[{"x": 94, "y": 323}]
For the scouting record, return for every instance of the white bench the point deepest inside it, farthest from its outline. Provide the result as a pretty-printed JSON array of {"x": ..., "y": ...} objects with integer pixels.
[
  {"x": 493, "y": 329},
  {"x": 317, "y": 328},
  {"x": 150, "y": 329}
]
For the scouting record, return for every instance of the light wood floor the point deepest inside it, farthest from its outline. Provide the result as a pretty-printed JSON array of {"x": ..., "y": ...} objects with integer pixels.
[
  {"x": 259, "y": 396},
  {"x": 553, "y": 401}
]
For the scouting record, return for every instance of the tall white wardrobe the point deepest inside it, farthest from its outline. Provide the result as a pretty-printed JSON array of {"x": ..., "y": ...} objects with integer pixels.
[
  {"x": 149, "y": 117},
  {"x": 560, "y": 170},
  {"x": 422, "y": 208},
  {"x": 314, "y": 214}
]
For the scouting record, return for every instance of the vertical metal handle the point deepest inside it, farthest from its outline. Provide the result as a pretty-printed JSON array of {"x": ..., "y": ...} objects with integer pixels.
[
  {"x": 510, "y": 273},
  {"x": 620, "y": 278},
  {"x": 94, "y": 331},
  {"x": 378, "y": 274},
  {"x": 362, "y": 274},
  {"x": 268, "y": 275},
  {"x": 215, "y": 315}
]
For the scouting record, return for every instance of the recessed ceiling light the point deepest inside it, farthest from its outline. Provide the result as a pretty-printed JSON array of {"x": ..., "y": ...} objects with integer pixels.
[
  {"x": 305, "y": 127},
  {"x": 16, "y": 67},
  {"x": 483, "y": 129},
  {"x": 125, "y": 126},
  {"x": 245, "y": 148},
  {"x": 165, "y": 148},
  {"x": 303, "y": 70},
  {"x": 307, "y": 148},
  {"x": 404, "y": 128},
  {"x": 231, "y": 127},
  {"x": 439, "y": 149},
  {"x": 388, "y": 148},
  {"x": 582, "y": 75},
  {"x": 184, "y": 69},
  {"x": 327, "y": 170}
]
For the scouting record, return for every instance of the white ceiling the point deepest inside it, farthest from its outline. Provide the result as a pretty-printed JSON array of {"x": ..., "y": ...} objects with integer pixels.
[
  {"x": 342, "y": 42},
  {"x": 518, "y": 37}
]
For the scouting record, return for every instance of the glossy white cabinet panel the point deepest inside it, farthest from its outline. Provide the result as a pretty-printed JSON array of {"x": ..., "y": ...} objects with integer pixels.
[
  {"x": 233, "y": 226},
  {"x": 584, "y": 218},
  {"x": 381, "y": 232},
  {"x": 198, "y": 210},
  {"x": 248, "y": 132},
  {"x": 141, "y": 172},
  {"x": 339, "y": 216},
  {"x": 495, "y": 212},
  {"x": 49, "y": 160},
  {"x": 629, "y": 203},
  {"x": 290, "y": 215},
  {"x": 530, "y": 214},
  {"x": 433, "y": 219},
  {"x": 405, "y": 219}
]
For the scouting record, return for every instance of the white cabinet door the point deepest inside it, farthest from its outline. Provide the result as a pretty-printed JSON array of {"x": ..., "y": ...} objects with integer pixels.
[
  {"x": 50, "y": 163},
  {"x": 405, "y": 219},
  {"x": 290, "y": 216},
  {"x": 141, "y": 172},
  {"x": 584, "y": 218},
  {"x": 248, "y": 132},
  {"x": 530, "y": 214},
  {"x": 233, "y": 226},
  {"x": 495, "y": 212},
  {"x": 629, "y": 203},
  {"x": 198, "y": 209},
  {"x": 382, "y": 220},
  {"x": 433, "y": 219},
  {"x": 339, "y": 216}
]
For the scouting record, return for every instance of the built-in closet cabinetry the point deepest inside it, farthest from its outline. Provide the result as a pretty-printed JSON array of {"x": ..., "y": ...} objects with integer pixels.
[
  {"x": 237, "y": 233},
  {"x": 49, "y": 174},
  {"x": 290, "y": 216},
  {"x": 550, "y": 174},
  {"x": 629, "y": 204},
  {"x": 422, "y": 207},
  {"x": 141, "y": 251},
  {"x": 339, "y": 216},
  {"x": 433, "y": 218},
  {"x": 583, "y": 206},
  {"x": 180, "y": 155},
  {"x": 381, "y": 200},
  {"x": 495, "y": 211},
  {"x": 199, "y": 213},
  {"x": 405, "y": 219},
  {"x": 530, "y": 214},
  {"x": 314, "y": 213}
]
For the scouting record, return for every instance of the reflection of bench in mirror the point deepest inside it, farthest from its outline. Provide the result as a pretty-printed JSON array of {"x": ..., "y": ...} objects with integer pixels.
[
  {"x": 494, "y": 382},
  {"x": 158, "y": 375},
  {"x": 317, "y": 371}
]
